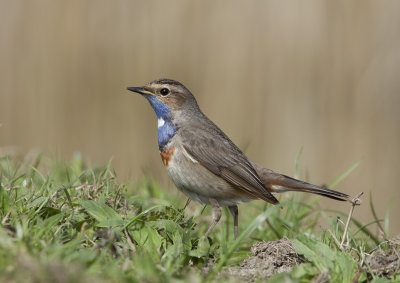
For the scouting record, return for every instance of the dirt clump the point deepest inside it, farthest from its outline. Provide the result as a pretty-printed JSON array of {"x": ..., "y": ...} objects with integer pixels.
[
  {"x": 268, "y": 259},
  {"x": 384, "y": 263}
]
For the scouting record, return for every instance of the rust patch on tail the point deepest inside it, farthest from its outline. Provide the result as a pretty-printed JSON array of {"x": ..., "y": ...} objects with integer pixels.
[
  {"x": 166, "y": 155},
  {"x": 269, "y": 187}
]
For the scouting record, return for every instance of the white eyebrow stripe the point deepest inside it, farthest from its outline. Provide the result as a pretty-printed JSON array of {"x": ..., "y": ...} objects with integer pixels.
[{"x": 160, "y": 122}]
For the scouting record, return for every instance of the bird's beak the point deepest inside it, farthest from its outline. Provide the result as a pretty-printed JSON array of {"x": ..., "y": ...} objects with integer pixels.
[{"x": 140, "y": 90}]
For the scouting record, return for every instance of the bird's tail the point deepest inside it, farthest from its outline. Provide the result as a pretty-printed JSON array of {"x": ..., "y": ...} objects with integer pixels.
[
  {"x": 290, "y": 184},
  {"x": 280, "y": 183}
]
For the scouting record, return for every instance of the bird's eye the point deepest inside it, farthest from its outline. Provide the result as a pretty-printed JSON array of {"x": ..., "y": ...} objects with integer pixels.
[{"x": 164, "y": 91}]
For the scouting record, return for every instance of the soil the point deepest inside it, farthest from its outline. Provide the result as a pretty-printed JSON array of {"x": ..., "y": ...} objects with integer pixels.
[
  {"x": 384, "y": 263},
  {"x": 279, "y": 256},
  {"x": 268, "y": 258}
]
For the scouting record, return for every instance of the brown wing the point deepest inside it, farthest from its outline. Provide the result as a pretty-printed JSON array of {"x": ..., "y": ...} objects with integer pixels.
[{"x": 216, "y": 152}]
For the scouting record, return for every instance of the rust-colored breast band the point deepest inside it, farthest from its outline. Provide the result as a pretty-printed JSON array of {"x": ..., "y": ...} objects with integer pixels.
[{"x": 167, "y": 154}]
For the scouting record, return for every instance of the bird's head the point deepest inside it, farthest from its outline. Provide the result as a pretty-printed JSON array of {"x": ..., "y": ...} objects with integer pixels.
[{"x": 167, "y": 97}]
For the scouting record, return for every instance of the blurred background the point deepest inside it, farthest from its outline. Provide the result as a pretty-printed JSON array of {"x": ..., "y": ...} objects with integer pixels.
[{"x": 276, "y": 76}]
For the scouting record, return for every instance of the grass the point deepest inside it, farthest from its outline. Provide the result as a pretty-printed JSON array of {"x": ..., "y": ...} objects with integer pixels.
[{"x": 71, "y": 223}]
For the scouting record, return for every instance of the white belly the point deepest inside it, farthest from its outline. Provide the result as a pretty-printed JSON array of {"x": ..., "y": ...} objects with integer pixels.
[{"x": 200, "y": 184}]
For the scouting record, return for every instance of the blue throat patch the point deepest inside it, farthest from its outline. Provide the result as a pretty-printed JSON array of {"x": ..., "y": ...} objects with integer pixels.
[
  {"x": 167, "y": 130},
  {"x": 165, "y": 133}
]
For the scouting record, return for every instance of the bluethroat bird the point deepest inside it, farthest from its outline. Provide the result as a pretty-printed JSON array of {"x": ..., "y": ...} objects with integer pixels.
[{"x": 204, "y": 163}]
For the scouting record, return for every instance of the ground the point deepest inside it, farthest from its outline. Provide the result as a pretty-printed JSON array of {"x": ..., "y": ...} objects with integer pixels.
[
  {"x": 268, "y": 259},
  {"x": 68, "y": 222}
]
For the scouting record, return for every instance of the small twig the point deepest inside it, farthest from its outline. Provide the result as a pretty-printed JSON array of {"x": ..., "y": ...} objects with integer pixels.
[
  {"x": 130, "y": 242},
  {"x": 340, "y": 220},
  {"x": 362, "y": 256},
  {"x": 90, "y": 240},
  {"x": 355, "y": 201},
  {"x": 58, "y": 230},
  {"x": 334, "y": 237},
  {"x": 6, "y": 217},
  {"x": 83, "y": 227}
]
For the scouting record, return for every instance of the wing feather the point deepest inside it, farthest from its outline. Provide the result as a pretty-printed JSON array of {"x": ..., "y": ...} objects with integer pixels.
[{"x": 216, "y": 152}]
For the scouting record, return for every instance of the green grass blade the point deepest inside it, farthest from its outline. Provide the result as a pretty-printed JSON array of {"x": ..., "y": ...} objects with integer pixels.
[
  {"x": 296, "y": 163},
  {"x": 101, "y": 212},
  {"x": 68, "y": 197},
  {"x": 141, "y": 214},
  {"x": 386, "y": 221},
  {"x": 345, "y": 174},
  {"x": 371, "y": 205}
]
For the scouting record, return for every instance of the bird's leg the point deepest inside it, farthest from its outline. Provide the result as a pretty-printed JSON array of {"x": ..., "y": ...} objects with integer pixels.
[
  {"x": 235, "y": 213},
  {"x": 216, "y": 215}
]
